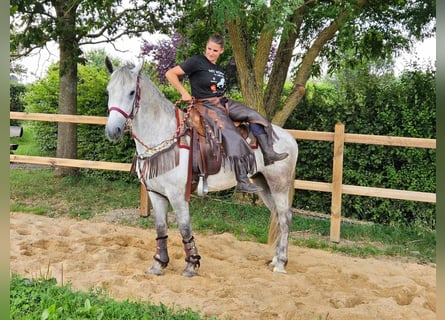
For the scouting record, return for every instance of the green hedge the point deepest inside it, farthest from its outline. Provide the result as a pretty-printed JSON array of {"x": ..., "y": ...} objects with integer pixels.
[
  {"x": 377, "y": 105},
  {"x": 16, "y": 93}
]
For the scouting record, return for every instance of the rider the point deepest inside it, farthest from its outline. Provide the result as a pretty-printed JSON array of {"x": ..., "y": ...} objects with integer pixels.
[{"x": 207, "y": 82}]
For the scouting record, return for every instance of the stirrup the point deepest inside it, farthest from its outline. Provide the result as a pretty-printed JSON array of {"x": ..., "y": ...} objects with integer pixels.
[{"x": 203, "y": 187}]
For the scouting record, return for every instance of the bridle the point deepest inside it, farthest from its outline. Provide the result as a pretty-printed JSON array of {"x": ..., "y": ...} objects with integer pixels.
[{"x": 136, "y": 102}]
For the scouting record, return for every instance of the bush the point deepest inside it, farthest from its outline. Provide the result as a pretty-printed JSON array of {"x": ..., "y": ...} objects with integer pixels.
[
  {"x": 368, "y": 104},
  {"x": 16, "y": 92}
]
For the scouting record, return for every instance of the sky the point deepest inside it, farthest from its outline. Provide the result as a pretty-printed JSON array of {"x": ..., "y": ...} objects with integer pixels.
[
  {"x": 127, "y": 49},
  {"x": 424, "y": 51}
]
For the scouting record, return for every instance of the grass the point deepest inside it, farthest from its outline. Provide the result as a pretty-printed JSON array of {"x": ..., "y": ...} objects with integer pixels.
[
  {"x": 26, "y": 142},
  {"x": 358, "y": 240},
  {"x": 40, "y": 191},
  {"x": 44, "y": 299}
]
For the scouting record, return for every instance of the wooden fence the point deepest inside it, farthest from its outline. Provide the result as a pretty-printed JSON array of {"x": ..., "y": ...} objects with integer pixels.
[{"x": 336, "y": 188}]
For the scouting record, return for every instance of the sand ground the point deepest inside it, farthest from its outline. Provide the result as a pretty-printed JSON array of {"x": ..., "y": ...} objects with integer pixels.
[{"x": 234, "y": 280}]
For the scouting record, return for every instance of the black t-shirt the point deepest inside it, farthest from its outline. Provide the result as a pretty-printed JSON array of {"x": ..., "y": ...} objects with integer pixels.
[{"x": 206, "y": 79}]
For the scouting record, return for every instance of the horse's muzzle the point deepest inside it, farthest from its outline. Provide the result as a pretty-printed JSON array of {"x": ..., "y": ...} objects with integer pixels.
[{"x": 114, "y": 134}]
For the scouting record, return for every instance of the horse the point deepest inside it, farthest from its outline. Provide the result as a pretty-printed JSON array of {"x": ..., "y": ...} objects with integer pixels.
[{"x": 162, "y": 166}]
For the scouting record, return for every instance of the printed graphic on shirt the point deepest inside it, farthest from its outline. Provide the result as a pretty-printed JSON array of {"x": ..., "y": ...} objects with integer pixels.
[{"x": 217, "y": 82}]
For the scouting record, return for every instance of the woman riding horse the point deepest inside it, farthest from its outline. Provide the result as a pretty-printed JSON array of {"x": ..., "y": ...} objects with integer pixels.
[{"x": 207, "y": 82}]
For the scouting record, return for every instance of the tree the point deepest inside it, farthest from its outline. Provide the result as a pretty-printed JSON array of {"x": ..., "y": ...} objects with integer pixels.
[
  {"x": 163, "y": 53},
  {"x": 306, "y": 33},
  {"x": 71, "y": 24}
]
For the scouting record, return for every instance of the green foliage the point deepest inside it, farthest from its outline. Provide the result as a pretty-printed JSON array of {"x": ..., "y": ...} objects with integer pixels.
[
  {"x": 375, "y": 105},
  {"x": 16, "y": 92},
  {"x": 43, "y": 299},
  {"x": 32, "y": 27},
  {"x": 43, "y": 97}
]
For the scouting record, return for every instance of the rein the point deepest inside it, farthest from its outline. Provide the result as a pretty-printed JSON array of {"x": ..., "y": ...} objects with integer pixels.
[
  {"x": 181, "y": 129},
  {"x": 150, "y": 151}
]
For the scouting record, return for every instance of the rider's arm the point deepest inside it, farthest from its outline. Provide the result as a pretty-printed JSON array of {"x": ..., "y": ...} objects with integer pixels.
[{"x": 172, "y": 76}]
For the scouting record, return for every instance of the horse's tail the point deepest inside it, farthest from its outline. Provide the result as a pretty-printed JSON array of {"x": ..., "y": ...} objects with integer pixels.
[{"x": 274, "y": 229}]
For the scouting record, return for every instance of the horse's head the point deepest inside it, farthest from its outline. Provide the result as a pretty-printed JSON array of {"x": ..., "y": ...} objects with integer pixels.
[{"x": 122, "y": 92}]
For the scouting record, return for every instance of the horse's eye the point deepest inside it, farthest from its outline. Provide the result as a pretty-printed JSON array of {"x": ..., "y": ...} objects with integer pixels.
[{"x": 132, "y": 93}]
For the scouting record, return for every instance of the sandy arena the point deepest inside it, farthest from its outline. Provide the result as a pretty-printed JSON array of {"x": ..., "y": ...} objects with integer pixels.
[{"x": 234, "y": 281}]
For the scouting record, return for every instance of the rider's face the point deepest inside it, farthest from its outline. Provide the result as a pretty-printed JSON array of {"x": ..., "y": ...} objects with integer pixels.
[{"x": 213, "y": 51}]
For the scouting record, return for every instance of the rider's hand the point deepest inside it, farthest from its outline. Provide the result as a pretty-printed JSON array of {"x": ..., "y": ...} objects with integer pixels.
[{"x": 186, "y": 97}]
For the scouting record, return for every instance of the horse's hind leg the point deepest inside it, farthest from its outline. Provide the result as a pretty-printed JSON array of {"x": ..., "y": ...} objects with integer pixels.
[
  {"x": 279, "y": 261},
  {"x": 160, "y": 259},
  {"x": 181, "y": 208},
  {"x": 277, "y": 200}
]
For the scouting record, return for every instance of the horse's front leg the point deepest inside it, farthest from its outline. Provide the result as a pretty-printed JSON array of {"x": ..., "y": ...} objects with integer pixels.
[
  {"x": 181, "y": 208},
  {"x": 160, "y": 259}
]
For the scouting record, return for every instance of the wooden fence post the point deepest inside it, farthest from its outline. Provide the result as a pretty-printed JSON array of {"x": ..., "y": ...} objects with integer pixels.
[
  {"x": 144, "y": 210},
  {"x": 337, "y": 182}
]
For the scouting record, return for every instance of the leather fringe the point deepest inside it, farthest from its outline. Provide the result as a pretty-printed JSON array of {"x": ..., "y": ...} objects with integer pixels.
[
  {"x": 157, "y": 164},
  {"x": 248, "y": 162}
]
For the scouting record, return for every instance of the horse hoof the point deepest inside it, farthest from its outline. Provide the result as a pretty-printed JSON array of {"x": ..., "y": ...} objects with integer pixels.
[
  {"x": 155, "y": 271},
  {"x": 279, "y": 269},
  {"x": 277, "y": 266},
  {"x": 189, "y": 273}
]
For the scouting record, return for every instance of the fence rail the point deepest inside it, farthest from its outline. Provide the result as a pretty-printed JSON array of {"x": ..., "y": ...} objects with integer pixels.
[{"x": 336, "y": 188}]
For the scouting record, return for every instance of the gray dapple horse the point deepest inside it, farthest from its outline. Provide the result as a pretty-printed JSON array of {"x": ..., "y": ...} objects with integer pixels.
[{"x": 162, "y": 165}]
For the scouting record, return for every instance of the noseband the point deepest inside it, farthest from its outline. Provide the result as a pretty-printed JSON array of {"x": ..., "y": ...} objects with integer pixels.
[{"x": 136, "y": 102}]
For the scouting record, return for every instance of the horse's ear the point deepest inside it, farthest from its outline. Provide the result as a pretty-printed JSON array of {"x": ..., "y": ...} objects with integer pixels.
[
  {"x": 138, "y": 67},
  {"x": 109, "y": 64}
]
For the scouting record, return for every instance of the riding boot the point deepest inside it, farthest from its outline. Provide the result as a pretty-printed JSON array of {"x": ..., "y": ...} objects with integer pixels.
[
  {"x": 270, "y": 156},
  {"x": 244, "y": 185}
]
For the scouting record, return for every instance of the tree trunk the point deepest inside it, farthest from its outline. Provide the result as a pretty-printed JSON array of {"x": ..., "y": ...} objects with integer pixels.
[
  {"x": 281, "y": 65},
  {"x": 303, "y": 73},
  {"x": 69, "y": 51},
  {"x": 251, "y": 87}
]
